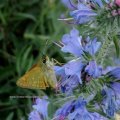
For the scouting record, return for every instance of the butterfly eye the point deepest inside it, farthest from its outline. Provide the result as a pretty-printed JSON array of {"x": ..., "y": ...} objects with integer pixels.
[{"x": 44, "y": 60}]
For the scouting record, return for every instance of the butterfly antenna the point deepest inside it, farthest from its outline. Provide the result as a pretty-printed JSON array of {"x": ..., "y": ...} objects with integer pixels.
[{"x": 56, "y": 62}]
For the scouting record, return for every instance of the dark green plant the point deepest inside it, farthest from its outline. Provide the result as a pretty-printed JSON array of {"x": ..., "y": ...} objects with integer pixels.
[{"x": 25, "y": 26}]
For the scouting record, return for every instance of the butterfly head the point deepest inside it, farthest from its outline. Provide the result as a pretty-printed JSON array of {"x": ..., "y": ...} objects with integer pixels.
[{"x": 47, "y": 62}]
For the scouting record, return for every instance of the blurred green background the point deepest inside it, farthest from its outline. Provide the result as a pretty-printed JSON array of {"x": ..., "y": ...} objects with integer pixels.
[{"x": 25, "y": 26}]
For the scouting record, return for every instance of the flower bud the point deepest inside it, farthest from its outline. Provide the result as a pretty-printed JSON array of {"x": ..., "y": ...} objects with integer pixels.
[{"x": 117, "y": 2}]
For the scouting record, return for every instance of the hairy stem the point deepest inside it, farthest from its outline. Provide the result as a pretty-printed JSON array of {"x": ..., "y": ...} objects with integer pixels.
[{"x": 104, "y": 50}]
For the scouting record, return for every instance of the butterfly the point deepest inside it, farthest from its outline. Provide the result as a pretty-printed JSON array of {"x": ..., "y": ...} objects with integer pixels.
[{"x": 40, "y": 76}]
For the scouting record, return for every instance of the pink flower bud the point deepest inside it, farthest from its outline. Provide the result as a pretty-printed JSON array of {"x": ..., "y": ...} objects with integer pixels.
[
  {"x": 117, "y": 2},
  {"x": 114, "y": 13}
]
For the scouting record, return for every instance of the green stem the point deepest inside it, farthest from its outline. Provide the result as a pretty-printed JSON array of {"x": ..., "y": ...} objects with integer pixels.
[{"x": 104, "y": 50}]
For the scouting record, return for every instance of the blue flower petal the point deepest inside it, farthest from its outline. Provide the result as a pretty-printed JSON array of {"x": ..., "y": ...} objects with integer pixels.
[
  {"x": 116, "y": 87},
  {"x": 64, "y": 110},
  {"x": 72, "y": 43},
  {"x": 108, "y": 69},
  {"x": 34, "y": 115},
  {"x": 82, "y": 13},
  {"x": 92, "y": 46},
  {"x": 41, "y": 106},
  {"x": 69, "y": 83},
  {"x": 59, "y": 70},
  {"x": 109, "y": 103},
  {"x": 74, "y": 67},
  {"x": 115, "y": 73},
  {"x": 93, "y": 69}
]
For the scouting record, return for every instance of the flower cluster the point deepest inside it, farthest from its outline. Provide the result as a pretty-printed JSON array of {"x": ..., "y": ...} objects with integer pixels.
[
  {"x": 83, "y": 70},
  {"x": 76, "y": 110},
  {"x": 93, "y": 10},
  {"x": 79, "y": 69}
]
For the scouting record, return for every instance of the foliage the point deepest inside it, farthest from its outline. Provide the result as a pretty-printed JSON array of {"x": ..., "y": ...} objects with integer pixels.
[{"x": 25, "y": 26}]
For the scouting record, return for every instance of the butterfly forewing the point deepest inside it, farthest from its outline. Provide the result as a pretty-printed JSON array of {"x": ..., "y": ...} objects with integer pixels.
[{"x": 33, "y": 79}]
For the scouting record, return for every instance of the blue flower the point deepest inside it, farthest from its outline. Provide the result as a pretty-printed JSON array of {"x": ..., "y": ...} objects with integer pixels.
[
  {"x": 72, "y": 43},
  {"x": 69, "y": 83},
  {"x": 116, "y": 92},
  {"x": 116, "y": 88},
  {"x": 74, "y": 67},
  {"x": 108, "y": 69},
  {"x": 93, "y": 69},
  {"x": 83, "y": 14},
  {"x": 63, "y": 112},
  {"x": 109, "y": 103},
  {"x": 92, "y": 46},
  {"x": 75, "y": 72},
  {"x": 76, "y": 110},
  {"x": 115, "y": 73},
  {"x": 97, "y": 116},
  {"x": 34, "y": 115},
  {"x": 40, "y": 107},
  {"x": 85, "y": 11},
  {"x": 81, "y": 112},
  {"x": 70, "y": 75},
  {"x": 111, "y": 99}
]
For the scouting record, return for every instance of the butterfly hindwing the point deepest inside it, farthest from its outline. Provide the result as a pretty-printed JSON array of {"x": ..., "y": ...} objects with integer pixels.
[{"x": 51, "y": 77}]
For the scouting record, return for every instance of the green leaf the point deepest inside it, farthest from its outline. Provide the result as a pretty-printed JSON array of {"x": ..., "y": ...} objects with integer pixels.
[
  {"x": 6, "y": 72},
  {"x": 2, "y": 18},
  {"x": 10, "y": 116},
  {"x": 117, "y": 46},
  {"x": 33, "y": 36},
  {"x": 25, "y": 16}
]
